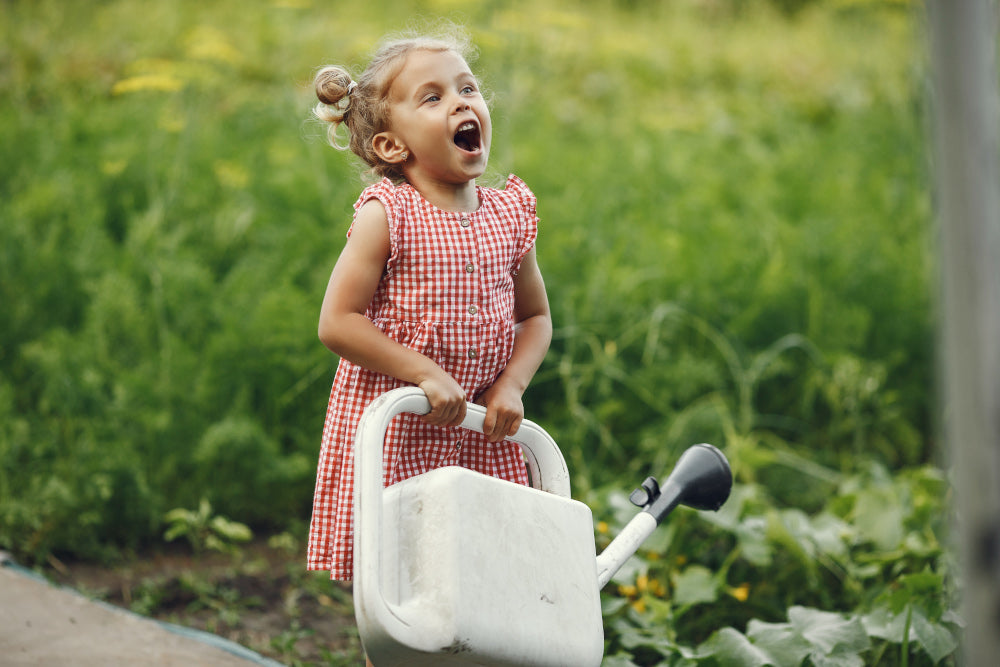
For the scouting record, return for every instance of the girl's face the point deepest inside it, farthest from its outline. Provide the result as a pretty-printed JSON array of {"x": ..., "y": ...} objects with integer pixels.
[{"x": 439, "y": 117}]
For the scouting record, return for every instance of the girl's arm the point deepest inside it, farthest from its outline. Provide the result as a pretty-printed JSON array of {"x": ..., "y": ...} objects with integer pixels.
[
  {"x": 532, "y": 334},
  {"x": 346, "y": 331}
]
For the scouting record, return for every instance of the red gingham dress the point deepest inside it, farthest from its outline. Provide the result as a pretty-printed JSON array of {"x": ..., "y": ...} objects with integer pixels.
[{"x": 448, "y": 292}]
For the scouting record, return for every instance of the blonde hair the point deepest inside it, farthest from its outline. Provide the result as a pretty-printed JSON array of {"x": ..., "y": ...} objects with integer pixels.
[{"x": 363, "y": 106}]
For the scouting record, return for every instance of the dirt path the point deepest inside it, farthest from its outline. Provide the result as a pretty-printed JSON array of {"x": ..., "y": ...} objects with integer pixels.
[
  {"x": 42, "y": 624},
  {"x": 260, "y": 598}
]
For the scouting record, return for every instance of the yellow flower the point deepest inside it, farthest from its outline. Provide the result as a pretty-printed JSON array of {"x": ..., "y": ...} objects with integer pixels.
[
  {"x": 231, "y": 174},
  {"x": 741, "y": 592},
  {"x": 159, "y": 82},
  {"x": 169, "y": 123},
  {"x": 207, "y": 43},
  {"x": 602, "y": 527},
  {"x": 113, "y": 167},
  {"x": 445, "y": 6}
]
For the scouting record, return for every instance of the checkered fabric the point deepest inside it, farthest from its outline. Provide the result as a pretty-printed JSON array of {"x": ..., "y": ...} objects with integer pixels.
[{"x": 447, "y": 292}]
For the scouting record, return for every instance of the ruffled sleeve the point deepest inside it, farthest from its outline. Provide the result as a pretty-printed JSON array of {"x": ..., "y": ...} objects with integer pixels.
[
  {"x": 385, "y": 192},
  {"x": 527, "y": 206}
]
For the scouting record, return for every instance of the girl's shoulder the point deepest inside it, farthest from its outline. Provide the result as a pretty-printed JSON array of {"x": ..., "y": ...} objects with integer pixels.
[
  {"x": 395, "y": 197},
  {"x": 515, "y": 192},
  {"x": 384, "y": 191}
]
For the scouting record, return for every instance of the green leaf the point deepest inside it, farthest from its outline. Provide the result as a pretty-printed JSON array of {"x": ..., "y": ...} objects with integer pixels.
[
  {"x": 175, "y": 531},
  {"x": 879, "y": 516},
  {"x": 694, "y": 585},
  {"x": 659, "y": 612},
  {"x": 785, "y": 528},
  {"x": 780, "y": 640},
  {"x": 611, "y": 605},
  {"x": 179, "y": 515},
  {"x": 231, "y": 530},
  {"x": 620, "y": 660},
  {"x": 829, "y": 632},
  {"x": 826, "y": 531},
  {"x": 204, "y": 511},
  {"x": 731, "y": 648},
  {"x": 884, "y": 624},
  {"x": 215, "y": 544},
  {"x": 935, "y": 639},
  {"x": 841, "y": 659},
  {"x": 753, "y": 540},
  {"x": 633, "y": 638}
]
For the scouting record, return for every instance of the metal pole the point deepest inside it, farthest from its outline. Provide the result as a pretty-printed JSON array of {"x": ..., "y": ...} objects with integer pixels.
[{"x": 963, "y": 59}]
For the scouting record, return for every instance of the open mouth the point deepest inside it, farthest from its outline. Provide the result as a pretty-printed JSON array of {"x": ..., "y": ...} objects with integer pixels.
[{"x": 467, "y": 137}]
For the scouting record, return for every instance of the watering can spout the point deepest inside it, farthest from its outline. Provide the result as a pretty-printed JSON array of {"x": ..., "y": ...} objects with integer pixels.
[{"x": 701, "y": 479}]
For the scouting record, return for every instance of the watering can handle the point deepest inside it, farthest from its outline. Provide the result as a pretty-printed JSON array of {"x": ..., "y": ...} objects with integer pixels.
[
  {"x": 546, "y": 465},
  {"x": 546, "y": 468}
]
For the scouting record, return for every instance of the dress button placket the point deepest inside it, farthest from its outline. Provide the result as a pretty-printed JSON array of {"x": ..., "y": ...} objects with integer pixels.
[{"x": 470, "y": 268}]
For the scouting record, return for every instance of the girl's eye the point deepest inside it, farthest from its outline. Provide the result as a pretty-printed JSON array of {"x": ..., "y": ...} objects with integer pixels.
[{"x": 468, "y": 90}]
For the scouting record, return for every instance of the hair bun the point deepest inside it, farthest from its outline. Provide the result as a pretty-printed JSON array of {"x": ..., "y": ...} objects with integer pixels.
[{"x": 332, "y": 85}]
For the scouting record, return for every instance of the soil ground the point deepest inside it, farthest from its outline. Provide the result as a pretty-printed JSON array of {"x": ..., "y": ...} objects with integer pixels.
[{"x": 259, "y": 596}]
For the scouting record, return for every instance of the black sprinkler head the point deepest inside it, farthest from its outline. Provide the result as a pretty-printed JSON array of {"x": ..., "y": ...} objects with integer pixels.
[
  {"x": 704, "y": 475},
  {"x": 701, "y": 479}
]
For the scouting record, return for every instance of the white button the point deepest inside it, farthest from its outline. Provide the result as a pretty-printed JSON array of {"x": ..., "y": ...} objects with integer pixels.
[
  {"x": 473, "y": 310},
  {"x": 469, "y": 268},
  {"x": 465, "y": 222},
  {"x": 472, "y": 353}
]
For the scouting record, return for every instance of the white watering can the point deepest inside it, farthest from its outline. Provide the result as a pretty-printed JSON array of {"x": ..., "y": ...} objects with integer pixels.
[{"x": 457, "y": 568}]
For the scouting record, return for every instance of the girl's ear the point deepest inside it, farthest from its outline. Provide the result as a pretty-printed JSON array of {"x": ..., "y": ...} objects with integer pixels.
[{"x": 389, "y": 148}]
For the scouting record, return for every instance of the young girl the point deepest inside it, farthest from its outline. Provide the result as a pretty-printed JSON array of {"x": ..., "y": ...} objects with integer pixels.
[{"x": 437, "y": 285}]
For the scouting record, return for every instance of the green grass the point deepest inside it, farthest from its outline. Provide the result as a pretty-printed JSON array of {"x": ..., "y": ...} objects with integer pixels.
[{"x": 736, "y": 240}]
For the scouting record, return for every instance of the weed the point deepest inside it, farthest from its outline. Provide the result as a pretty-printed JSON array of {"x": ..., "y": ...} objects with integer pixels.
[{"x": 205, "y": 530}]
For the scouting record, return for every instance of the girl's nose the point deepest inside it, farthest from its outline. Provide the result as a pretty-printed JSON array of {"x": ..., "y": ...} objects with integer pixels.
[{"x": 462, "y": 105}]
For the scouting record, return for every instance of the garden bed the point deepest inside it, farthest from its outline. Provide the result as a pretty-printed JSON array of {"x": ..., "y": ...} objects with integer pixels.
[{"x": 261, "y": 597}]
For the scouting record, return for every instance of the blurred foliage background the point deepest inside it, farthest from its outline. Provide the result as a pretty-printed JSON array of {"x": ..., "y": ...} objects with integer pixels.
[{"x": 736, "y": 239}]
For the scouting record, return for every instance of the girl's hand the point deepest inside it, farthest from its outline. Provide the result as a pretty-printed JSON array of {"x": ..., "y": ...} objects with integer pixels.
[
  {"x": 447, "y": 400},
  {"x": 504, "y": 411}
]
